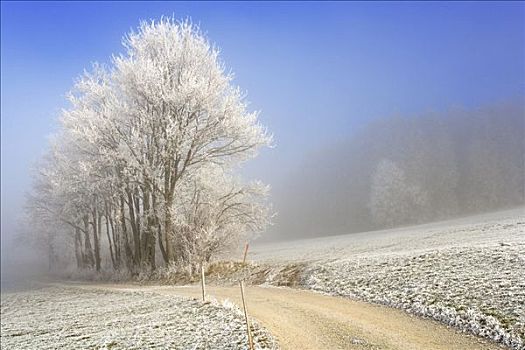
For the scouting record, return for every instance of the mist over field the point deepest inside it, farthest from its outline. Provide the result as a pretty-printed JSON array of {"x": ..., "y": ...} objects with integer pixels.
[
  {"x": 402, "y": 171},
  {"x": 395, "y": 171},
  {"x": 263, "y": 175}
]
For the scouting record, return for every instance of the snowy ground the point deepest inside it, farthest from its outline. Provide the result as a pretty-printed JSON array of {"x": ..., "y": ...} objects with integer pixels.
[
  {"x": 469, "y": 273},
  {"x": 76, "y": 318}
]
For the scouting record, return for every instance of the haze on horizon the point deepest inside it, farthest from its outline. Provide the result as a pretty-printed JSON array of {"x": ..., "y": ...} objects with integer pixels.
[{"x": 354, "y": 93}]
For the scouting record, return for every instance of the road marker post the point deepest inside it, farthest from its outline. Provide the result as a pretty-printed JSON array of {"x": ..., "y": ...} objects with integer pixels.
[
  {"x": 248, "y": 329},
  {"x": 203, "y": 283},
  {"x": 245, "y": 253}
]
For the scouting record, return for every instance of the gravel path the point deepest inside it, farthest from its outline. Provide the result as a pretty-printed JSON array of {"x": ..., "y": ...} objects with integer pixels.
[
  {"x": 468, "y": 273},
  {"x": 310, "y": 321},
  {"x": 479, "y": 290}
]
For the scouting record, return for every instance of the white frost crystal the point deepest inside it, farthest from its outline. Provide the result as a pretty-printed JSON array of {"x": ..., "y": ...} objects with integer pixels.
[
  {"x": 74, "y": 318},
  {"x": 480, "y": 290}
]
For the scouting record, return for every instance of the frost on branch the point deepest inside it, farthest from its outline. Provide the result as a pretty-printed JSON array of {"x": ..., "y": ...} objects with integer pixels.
[{"x": 142, "y": 169}]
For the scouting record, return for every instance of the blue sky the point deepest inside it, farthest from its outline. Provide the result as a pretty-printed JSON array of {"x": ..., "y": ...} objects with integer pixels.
[{"x": 317, "y": 71}]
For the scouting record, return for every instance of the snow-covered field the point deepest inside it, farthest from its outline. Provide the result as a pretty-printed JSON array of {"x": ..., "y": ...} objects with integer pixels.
[
  {"x": 77, "y": 318},
  {"x": 469, "y": 273}
]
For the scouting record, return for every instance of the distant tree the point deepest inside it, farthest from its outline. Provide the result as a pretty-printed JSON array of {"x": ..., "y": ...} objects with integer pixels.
[
  {"x": 393, "y": 200},
  {"x": 461, "y": 161}
]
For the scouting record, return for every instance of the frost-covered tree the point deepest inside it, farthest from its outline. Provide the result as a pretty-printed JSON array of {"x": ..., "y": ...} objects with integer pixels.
[
  {"x": 181, "y": 110},
  {"x": 465, "y": 161},
  {"x": 147, "y": 151},
  {"x": 393, "y": 200},
  {"x": 215, "y": 211}
]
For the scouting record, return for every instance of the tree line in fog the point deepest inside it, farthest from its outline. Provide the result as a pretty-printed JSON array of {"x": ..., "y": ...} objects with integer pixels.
[{"x": 401, "y": 171}]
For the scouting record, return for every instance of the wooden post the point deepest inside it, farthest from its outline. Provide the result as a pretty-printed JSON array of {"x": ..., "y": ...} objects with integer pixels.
[
  {"x": 245, "y": 253},
  {"x": 241, "y": 282},
  {"x": 203, "y": 283},
  {"x": 248, "y": 330}
]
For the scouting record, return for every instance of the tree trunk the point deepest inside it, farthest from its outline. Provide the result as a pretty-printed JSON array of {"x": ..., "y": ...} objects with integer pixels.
[
  {"x": 51, "y": 255},
  {"x": 116, "y": 241},
  {"x": 149, "y": 229},
  {"x": 167, "y": 229},
  {"x": 158, "y": 227},
  {"x": 134, "y": 228},
  {"x": 127, "y": 247},
  {"x": 109, "y": 238},
  {"x": 89, "y": 258},
  {"x": 161, "y": 246},
  {"x": 168, "y": 201},
  {"x": 96, "y": 240},
  {"x": 78, "y": 248}
]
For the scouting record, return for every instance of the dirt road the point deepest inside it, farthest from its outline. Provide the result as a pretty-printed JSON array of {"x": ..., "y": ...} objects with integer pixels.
[{"x": 306, "y": 320}]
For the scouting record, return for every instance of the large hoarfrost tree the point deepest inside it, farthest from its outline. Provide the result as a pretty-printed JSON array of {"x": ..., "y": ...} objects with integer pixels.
[
  {"x": 147, "y": 153},
  {"x": 181, "y": 110}
]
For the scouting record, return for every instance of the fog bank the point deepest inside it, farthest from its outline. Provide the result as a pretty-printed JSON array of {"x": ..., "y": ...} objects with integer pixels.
[{"x": 407, "y": 170}]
